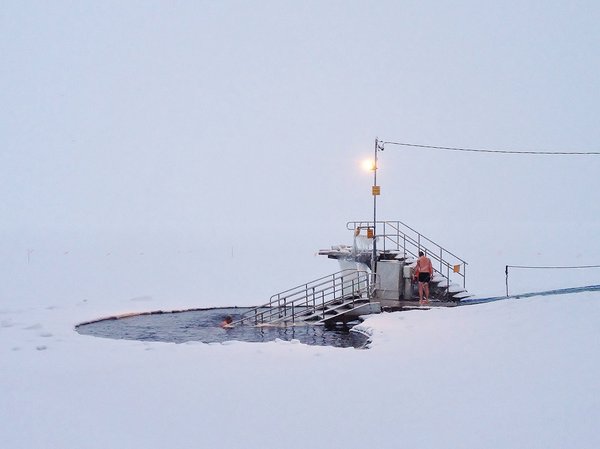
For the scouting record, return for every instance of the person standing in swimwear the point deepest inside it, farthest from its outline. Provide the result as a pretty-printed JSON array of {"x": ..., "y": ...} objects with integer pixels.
[{"x": 423, "y": 273}]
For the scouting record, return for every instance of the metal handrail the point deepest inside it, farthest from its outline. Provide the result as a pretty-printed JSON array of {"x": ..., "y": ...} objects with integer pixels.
[
  {"x": 389, "y": 223},
  {"x": 404, "y": 237},
  {"x": 308, "y": 298}
]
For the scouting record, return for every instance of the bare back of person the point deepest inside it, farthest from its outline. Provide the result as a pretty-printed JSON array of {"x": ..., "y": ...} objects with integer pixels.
[
  {"x": 423, "y": 273},
  {"x": 424, "y": 265}
]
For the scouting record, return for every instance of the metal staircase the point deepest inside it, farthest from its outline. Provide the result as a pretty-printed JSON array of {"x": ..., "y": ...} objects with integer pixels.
[
  {"x": 345, "y": 295},
  {"x": 396, "y": 239},
  {"x": 329, "y": 298}
]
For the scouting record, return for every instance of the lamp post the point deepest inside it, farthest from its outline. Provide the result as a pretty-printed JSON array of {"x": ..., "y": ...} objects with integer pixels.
[{"x": 375, "y": 191}]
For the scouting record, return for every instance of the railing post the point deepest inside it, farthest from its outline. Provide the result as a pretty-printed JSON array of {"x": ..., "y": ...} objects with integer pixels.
[
  {"x": 448, "y": 282},
  {"x": 330, "y": 288},
  {"x": 278, "y": 305}
]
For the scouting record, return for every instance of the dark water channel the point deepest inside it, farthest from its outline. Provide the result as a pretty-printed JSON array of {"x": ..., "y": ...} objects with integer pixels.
[{"x": 204, "y": 325}]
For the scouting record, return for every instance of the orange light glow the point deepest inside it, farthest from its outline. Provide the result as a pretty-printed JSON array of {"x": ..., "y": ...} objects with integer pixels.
[{"x": 368, "y": 164}]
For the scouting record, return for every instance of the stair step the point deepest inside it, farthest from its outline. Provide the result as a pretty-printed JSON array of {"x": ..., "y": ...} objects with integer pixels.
[
  {"x": 455, "y": 288},
  {"x": 442, "y": 283},
  {"x": 462, "y": 295}
]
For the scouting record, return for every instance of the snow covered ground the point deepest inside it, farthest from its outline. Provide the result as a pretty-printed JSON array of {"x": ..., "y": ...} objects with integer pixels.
[
  {"x": 170, "y": 155},
  {"x": 520, "y": 373}
]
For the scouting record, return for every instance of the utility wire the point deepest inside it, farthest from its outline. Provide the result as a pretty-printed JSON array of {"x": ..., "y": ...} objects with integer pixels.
[
  {"x": 473, "y": 150},
  {"x": 556, "y": 267}
]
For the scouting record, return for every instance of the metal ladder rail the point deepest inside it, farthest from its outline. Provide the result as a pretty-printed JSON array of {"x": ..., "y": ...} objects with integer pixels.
[
  {"x": 419, "y": 242},
  {"x": 322, "y": 307},
  {"x": 446, "y": 276},
  {"x": 279, "y": 302},
  {"x": 395, "y": 239},
  {"x": 444, "y": 265},
  {"x": 310, "y": 306},
  {"x": 281, "y": 312},
  {"x": 319, "y": 309},
  {"x": 311, "y": 290},
  {"x": 289, "y": 308},
  {"x": 278, "y": 305},
  {"x": 397, "y": 225}
]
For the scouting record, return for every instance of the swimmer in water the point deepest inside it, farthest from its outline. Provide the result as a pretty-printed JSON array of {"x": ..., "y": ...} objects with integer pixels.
[{"x": 226, "y": 323}]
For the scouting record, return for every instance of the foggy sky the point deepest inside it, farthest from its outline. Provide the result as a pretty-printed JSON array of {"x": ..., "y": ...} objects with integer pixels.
[{"x": 220, "y": 115}]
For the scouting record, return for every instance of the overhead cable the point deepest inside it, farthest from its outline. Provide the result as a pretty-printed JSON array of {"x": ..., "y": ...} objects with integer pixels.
[
  {"x": 474, "y": 150},
  {"x": 554, "y": 267}
]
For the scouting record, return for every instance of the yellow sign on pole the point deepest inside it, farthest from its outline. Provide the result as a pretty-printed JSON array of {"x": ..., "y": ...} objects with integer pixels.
[
  {"x": 376, "y": 190},
  {"x": 457, "y": 268}
]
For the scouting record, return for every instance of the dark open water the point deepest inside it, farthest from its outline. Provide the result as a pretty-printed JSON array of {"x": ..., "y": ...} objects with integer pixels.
[{"x": 204, "y": 325}]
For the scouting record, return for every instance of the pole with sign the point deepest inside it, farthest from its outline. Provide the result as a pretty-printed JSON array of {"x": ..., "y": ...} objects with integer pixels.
[{"x": 375, "y": 191}]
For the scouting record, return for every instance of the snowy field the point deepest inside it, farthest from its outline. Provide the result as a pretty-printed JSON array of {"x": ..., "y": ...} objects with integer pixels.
[
  {"x": 520, "y": 373},
  {"x": 159, "y": 155}
]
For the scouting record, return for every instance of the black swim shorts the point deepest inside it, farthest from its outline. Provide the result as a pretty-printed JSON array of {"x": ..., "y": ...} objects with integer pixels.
[{"x": 424, "y": 277}]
